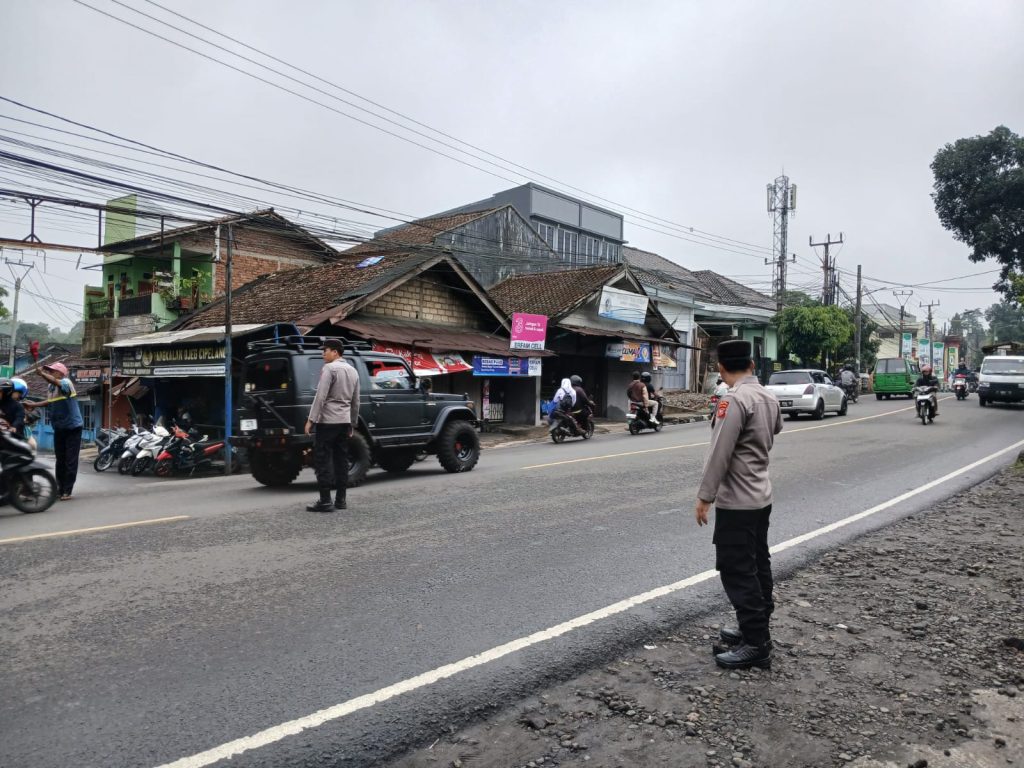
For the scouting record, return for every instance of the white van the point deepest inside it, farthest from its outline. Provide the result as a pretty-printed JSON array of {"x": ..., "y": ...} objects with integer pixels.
[{"x": 1001, "y": 379}]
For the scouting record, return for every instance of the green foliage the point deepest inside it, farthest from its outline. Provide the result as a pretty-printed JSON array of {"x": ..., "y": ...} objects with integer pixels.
[
  {"x": 29, "y": 332},
  {"x": 4, "y": 312},
  {"x": 979, "y": 197},
  {"x": 1006, "y": 322},
  {"x": 812, "y": 332},
  {"x": 869, "y": 346},
  {"x": 798, "y": 299}
]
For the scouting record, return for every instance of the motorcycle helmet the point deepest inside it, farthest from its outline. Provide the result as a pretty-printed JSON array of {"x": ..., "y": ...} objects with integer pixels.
[
  {"x": 6, "y": 386},
  {"x": 645, "y": 377},
  {"x": 20, "y": 386},
  {"x": 576, "y": 381}
]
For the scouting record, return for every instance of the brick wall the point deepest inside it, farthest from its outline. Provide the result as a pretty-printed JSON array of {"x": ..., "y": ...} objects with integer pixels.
[{"x": 430, "y": 299}]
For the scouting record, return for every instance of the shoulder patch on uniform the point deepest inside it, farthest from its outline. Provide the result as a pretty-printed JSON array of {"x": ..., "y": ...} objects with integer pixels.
[{"x": 723, "y": 406}]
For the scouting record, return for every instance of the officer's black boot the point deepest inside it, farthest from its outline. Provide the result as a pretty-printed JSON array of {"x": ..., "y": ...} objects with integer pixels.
[
  {"x": 339, "y": 501},
  {"x": 745, "y": 656}
]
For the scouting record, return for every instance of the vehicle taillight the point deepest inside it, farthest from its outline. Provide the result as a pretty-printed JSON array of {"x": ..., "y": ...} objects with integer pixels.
[{"x": 809, "y": 390}]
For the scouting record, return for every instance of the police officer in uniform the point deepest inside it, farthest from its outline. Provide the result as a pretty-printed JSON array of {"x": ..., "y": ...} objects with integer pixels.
[{"x": 736, "y": 481}]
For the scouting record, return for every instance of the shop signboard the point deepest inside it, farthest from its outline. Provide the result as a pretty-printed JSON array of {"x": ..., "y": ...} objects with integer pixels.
[
  {"x": 494, "y": 365},
  {"x": 623, "y": 306},
  {"x": 171, "y": 361},
  {"x": 86, "y": 375},
  {"x": 528, "y": 331},
  {"x": 425, "y": 363},
  {"x": 629, "y": 351},
  {"x": 907, "y": 347}
]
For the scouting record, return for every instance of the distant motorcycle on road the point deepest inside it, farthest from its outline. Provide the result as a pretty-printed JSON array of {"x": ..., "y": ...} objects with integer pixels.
[{"x": 575, "y": 424}]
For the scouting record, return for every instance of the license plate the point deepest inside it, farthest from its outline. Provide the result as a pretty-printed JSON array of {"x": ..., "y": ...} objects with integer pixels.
[
  {"x": 786, "y": 403},
  {"x": 248, "y": 425}
]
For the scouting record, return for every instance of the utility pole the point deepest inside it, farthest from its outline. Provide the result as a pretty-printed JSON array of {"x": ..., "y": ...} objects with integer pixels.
[
  {"x": 14, "y": 313},
  {"x": 782, "y": 205},
  {"x": 931, "y": 333},
  {"x": 228, "y": 405},
  {"x": 903, "y": 297},
  {"x": 828, "y": 265},
  {"x": 856, "y": 327}
]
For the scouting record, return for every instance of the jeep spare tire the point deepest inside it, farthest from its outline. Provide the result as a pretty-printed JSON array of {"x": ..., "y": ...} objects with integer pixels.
[
  {"x": 358, "y": 459},
  {"x": 458, "y": 447}
]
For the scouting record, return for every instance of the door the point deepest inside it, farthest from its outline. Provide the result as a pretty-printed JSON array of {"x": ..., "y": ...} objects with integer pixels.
[{"x": 397, "y": 407}]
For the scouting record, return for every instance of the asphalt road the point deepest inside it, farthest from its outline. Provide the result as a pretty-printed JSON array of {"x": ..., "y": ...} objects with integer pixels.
[{"x": 142, "y": 645}]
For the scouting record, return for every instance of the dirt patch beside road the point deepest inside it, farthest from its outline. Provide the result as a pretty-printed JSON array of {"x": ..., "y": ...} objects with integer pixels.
[{"x": 904, "y": 648}]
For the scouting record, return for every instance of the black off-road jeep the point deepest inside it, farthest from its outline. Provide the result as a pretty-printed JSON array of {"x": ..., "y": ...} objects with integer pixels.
[{"x": 400, "y": 419}]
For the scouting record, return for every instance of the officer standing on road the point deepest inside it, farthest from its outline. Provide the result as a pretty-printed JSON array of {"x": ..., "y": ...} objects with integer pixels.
[
  {"x": 736, "y": 481},
  {"x": 332, "y": 417}
]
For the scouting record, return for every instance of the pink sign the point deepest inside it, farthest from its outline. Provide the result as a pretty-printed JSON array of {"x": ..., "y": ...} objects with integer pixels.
[{"x": 528, "y": 331}]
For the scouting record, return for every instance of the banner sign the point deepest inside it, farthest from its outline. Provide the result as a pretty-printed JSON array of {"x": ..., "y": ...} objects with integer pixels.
[
  {"x": 86, "y": 375},
  {"x": 924, "y": 348},
  {"x": 528, "y": 331},
  {"x": 952, "y": 358},
  {"x": 425, "y": 363},
  {"x": 907, "y": 346},
  {"x": 939, "y": 356},
  {"x": 491, "y": 365},
  {"x": 623, "y": 306},
  {"x": 170, "y": 361},
  {"x": 663, "y": 357},
  {"x": 629, "y": 351}
]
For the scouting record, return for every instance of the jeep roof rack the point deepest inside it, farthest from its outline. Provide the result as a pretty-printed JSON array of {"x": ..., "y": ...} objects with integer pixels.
[{"x": 302, "y": 343}]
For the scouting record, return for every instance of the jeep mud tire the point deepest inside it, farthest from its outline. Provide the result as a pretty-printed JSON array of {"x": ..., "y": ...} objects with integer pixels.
[
  {"x": 358, "y": 459},
  {"x": 274, "y": 469},
  {"x": 458, "y": 447},
  {"x": 396, "y": 459}
]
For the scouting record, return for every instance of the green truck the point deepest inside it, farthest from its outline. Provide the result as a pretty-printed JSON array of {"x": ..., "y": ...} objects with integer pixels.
[{"x": 894, "y": 376}]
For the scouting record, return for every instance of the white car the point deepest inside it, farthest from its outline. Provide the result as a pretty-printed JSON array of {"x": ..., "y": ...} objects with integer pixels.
[{"x": 807, "y": 391}]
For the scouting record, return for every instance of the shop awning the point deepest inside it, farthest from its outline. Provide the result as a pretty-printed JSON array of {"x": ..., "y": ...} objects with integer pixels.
[
  {"x": 437, "y": 338},
  {"x": 190, "y": 336},
  {"x": 625, "y": 335}
]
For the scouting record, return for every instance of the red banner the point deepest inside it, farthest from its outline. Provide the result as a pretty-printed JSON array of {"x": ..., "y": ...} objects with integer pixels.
[{"x": 425, "y": 363}]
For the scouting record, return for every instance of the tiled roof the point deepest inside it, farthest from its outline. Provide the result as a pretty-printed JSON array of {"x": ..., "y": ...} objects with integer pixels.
[
  {"x": 652, "y": 269},
  {"x": 290, "y": 296},
  {"x": 420, "y": 232},
  {"x": 726, "y": 291},
  {"x": 551, "y": 293}
]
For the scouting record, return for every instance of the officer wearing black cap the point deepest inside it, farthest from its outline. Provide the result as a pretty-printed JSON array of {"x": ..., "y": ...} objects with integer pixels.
[
  {"x": 332, "y": 417},
  {"x": 736, "y": 481}
]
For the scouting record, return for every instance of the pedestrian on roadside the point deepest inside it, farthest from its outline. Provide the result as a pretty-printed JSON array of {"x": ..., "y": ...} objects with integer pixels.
[
  {"x": 332, "y": 419},
  {"x": 736, "y": 481},
  {"x": 66, "y": 420}
]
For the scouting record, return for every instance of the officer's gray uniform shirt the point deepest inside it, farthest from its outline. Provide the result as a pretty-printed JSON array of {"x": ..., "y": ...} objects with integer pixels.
[
  {"x": 337, "y": 395},
  {"x": 736, "y": 470}
]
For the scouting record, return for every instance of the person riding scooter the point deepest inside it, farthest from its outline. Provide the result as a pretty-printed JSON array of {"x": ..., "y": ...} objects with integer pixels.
[
  {"x": 928, "y": 379},
  {"x": 562, "y": 404},
  {"x": 652, "y": 396},
  {"x": 638, "y": 395},
  {"x": 585, "y": 407},
  {"x": 12, "y": 412}
]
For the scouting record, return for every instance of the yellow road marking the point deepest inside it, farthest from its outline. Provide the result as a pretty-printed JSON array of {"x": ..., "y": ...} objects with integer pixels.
[
  {"x": 708, "y": 442},
  {"x": 154, "y": 521}
]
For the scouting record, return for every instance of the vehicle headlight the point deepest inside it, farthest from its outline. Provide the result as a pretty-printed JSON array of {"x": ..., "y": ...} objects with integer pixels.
[{"x": 982, "y": 384}]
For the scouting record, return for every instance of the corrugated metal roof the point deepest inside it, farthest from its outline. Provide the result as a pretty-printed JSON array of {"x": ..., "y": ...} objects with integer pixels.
[
  {"x": 437, "y": 338},
  {"x": 190, "y": 336}
]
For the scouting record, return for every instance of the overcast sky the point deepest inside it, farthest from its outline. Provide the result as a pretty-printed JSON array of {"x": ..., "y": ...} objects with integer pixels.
[{"x": 681, "y": 110}]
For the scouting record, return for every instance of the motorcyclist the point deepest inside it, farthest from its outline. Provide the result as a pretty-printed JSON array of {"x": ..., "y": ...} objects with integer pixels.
[
  {"x": 721, "y": 388},
  {"x": 638, "y": 395},
  {"x": 652, "y": 396},
  {"x": 585, "y": 407},
  {"x": 928, "y": 379},
  {"x": 848, "y": 380},
  {"x": 12, "y": 412},
  {"x": 564, "y": 401}
]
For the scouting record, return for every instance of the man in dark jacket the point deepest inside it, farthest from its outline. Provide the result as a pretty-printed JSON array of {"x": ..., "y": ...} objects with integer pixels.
[{"x": 584, "y": 405}]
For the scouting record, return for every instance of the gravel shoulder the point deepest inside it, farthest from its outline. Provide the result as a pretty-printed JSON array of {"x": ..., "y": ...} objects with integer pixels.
[{"x": 903, "y": 648}]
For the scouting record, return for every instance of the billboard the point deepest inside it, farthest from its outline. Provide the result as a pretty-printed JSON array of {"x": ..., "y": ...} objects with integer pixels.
[
  {"x": 939, "y": 356},
  {"x": 494, "y": 365},
  {"x": 907, "y": 345},
  {"x": 623, "y": 306},
  {"x": 528, "y": 331}
]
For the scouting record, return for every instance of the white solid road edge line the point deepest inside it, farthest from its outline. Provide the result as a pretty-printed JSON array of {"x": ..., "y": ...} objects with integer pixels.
[
  {"x": 338, "y": 711},
  {"x": 112, "y": 527}
]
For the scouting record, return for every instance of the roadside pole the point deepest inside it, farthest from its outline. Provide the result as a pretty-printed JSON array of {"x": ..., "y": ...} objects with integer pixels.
[
  {"x": 228, "y": 406},
  {"x": 856, "y": 329}
]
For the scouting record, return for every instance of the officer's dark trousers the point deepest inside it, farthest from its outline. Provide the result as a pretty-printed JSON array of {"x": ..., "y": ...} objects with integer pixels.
[
  {"x": 330, "y": 458},
  {"x": 745, "y": 565}
]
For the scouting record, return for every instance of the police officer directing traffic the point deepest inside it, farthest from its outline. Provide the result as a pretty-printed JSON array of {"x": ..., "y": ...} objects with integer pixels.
[
  {"x": 332, "y": 417},
  {"x": 736, "y": 481}
]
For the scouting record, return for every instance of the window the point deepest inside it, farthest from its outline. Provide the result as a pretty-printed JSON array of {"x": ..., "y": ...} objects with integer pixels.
[
  {"x": 569, "y": 242},
  {"x": 389, "y": 374},
  {"x": 590, "y": 253},
  {"x": 611, "y": 252},
  {"x": 267, "y": 375},
  {"x": 819, "y": 377},
  {"x": 891, "y": 365},
  {"x": 548, "y": 232},
  {"x": 1007, "y": 366},
  {"x": 789, "y": 378},
  {"x": 86, "y": 407}
]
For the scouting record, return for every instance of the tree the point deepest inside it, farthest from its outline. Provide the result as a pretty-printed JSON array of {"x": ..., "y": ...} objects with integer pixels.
[
  {"x": 28, "y": 332},
  {"x": 1005, "y": 322},
  {"x": 813, "y": 332},
  {"x": 869, "y": 343},
  {"x": 979, "y": 197}
]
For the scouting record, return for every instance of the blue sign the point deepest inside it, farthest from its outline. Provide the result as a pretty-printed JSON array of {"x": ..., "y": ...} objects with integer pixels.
[{"x": 505, "y": 366}]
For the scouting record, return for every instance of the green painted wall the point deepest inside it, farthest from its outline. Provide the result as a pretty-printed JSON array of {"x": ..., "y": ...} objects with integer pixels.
[
  {"x": 770, "y": 337},
  {"x": 120, "y": 226}
]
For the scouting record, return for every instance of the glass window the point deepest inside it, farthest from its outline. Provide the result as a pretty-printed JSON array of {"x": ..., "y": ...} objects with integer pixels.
[
  {"x": 548, "y": 232},
  {"x": 389, "y": 374},
  {"x": 267, "y": 375},
  {"x": 1007, "y": 366},
  {"x": 785, "y": 378}
]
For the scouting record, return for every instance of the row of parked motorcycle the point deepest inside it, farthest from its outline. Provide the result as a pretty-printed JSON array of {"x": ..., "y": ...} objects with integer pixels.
[{"x": 179, "y": 450}]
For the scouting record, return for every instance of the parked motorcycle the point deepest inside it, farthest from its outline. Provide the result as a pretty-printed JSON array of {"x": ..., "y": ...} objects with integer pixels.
[
  {"x": 182, "y": 455},
  {"x": 639, "y": 418},
  {"x": 960, "y": 388},
  {"x": 576, "y": 424},
  {"x": 151, "y": 447},
  {"x": 24, "y": 483},
  {"x": 925, "y": 403},
  {"x": 111, "y": 444}
]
